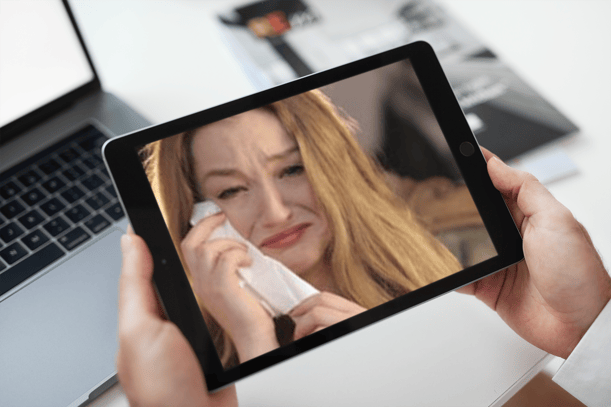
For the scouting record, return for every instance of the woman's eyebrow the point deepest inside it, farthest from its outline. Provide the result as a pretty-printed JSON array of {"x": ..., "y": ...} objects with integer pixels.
[
  {"x": 232, "y": 172},
  {"x": 284, "y": 154},
  {"x": 222, "y": 172}
]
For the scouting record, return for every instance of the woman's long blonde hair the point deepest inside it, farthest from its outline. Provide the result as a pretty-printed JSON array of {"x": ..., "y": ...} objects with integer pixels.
[{"x": 378, "y": 250}]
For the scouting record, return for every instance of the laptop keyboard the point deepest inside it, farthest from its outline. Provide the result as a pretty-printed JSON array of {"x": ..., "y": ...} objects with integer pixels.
[{"x": 52, "y": 203}]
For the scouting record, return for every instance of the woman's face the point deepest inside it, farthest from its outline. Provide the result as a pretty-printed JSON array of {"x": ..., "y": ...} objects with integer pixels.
[{"x": 252, "y": 169}]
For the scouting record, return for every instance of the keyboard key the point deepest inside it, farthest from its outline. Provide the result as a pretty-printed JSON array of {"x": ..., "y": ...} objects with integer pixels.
[
  {"x": 73, "y": 172},
  {"x": 104, "y": 175},
  {"x": 69, "y": 155},
  {"x": 74, "y": 238},
  {"x": 12, "y": 209},
  {"x": 29, "y": 178},
  {"x": 33, "y": 196},
  {"x": 56, "y": 226},
  {"x": 97, "y": 224},
  {"x": 35, "y": 239},
  {"x": 49, "y": 166},
  {"x": 54, "y": 184},
  {"x": 93, "y": 162},
  {"x": 52, "y": 206},
  {"x": 29, "y": 266},
  {"x": 73, "y": 194},
  {"x": 77, "y": 213},
  {"x": 13, "y": 253},
  {"x": 115, "y": 211},
  {"x": 93, "y": 182},
  {"x": 2, "y": 265},
  {"x": 31, "y": 219},
  {"x": 111, "y": 191},
  {"x": 10, "y": 232},
  {"x": 93, "y": 143},
  {"x": 97, "y": 200},
  {"x": 9, "y": 190}
]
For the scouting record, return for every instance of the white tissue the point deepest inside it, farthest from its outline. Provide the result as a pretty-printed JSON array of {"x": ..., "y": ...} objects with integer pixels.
[{"x": 276, "y": 287}]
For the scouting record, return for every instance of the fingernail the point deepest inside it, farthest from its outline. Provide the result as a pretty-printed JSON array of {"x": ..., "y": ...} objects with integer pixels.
[{"x": 126, "y": 241}]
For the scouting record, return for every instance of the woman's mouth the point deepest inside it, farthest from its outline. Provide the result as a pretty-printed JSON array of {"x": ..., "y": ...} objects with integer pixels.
[{"x": 285, "y": 238}]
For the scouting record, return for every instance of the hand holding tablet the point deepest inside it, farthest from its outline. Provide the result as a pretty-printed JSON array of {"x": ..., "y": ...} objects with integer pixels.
[
  {"x": 155, "y": 363},
  {"x": 302, "y": 174},
  {"x": 553, "y": 297}
]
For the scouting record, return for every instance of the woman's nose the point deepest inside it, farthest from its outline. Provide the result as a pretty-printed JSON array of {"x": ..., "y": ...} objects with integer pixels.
[{"x": 275, "y": 210}]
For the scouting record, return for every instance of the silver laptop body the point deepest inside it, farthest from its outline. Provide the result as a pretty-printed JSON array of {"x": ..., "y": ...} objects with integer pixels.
[{"x": 60, "y": 220}]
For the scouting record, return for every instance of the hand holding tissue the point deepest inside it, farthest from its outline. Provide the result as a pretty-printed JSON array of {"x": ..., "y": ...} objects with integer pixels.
[{"x": 276, "y": 287}]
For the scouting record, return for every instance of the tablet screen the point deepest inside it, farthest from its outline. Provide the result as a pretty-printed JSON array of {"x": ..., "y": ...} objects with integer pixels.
[{"x": 333, "y": 202}]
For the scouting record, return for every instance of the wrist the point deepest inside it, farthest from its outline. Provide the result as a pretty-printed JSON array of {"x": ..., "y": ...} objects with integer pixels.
[
  {"x": 584, "y": 331},
  {"x": 256, "y": 343}
]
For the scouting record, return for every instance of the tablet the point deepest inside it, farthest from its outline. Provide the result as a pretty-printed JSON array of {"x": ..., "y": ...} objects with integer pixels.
[{"x": 288, "y": 218}]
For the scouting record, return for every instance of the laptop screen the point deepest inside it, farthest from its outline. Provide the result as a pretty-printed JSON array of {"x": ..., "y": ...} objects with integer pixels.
[{"x": 41, "y": 58}]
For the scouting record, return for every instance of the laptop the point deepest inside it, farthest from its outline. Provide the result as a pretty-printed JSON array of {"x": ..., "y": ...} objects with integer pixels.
[{"x": 60, "y": 219}]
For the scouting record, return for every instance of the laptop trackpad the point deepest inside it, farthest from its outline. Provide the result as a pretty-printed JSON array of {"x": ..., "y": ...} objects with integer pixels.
[{"x": 58, "y": 335}]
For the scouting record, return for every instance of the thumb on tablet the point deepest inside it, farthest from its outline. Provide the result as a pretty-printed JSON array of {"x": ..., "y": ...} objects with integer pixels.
[
  {"x": 137, "y": 298},
  {"x": 521, "y": 188}
]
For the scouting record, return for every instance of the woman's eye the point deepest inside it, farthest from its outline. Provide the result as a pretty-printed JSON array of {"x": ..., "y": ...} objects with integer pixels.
[
  {"x": 229, "y": 192},
  {"x": 293, "y": 170}
]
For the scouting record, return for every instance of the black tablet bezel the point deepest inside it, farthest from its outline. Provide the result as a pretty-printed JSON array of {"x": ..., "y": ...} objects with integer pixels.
[{"x": 174, "y": 290}]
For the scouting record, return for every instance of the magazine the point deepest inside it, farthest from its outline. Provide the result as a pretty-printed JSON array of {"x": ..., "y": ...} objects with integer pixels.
[{"x": 280, "y": 40}]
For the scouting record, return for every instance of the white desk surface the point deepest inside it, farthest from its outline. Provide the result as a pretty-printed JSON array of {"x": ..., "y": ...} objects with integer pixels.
[{"x": 167, "y": 59}]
